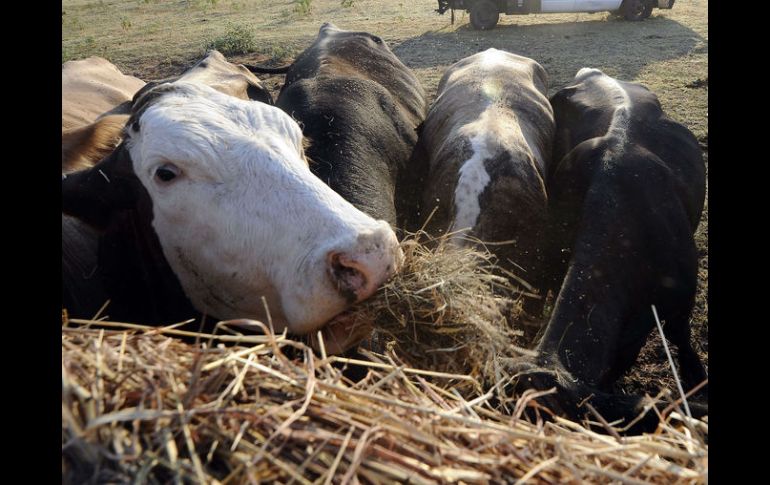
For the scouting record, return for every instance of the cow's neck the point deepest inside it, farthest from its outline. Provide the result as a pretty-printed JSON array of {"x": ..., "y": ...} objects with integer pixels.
[{"x": 141, "y": 284}]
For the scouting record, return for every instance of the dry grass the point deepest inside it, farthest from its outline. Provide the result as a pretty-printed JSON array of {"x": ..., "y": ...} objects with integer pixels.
[
  {"x": 140, "y": 406},
  {"x": 447, "y": 309}
]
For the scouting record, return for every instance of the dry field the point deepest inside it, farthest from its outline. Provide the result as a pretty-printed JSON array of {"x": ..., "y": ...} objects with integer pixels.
[{"x": 152, "y": 39}]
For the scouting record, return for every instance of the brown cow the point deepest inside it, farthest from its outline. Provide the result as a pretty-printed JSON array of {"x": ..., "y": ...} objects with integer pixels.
[{"x": 96, "y": 98}]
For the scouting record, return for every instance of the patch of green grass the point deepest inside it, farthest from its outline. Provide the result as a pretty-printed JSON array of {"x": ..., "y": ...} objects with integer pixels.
[
  {"x": 237, "y": 39},
  {"x": 74, "y": 22},
  {"x": 278, "y": 52},
  {"x": 347, "y": 3},
  {"x": 86, "y": 48},
  {"x": 303, "y": 7},
  {"x": 201, "y": 4}
]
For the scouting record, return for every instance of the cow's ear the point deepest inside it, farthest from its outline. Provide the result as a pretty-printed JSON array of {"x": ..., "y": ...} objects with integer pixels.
[
  {"x": 83, "y": 146},
  {"x": 257, "y": 92},
  {"x": 95, "y": 194}
]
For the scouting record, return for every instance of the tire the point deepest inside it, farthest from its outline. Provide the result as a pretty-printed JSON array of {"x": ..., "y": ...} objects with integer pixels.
[
  {"x": 484, "y": 15},
  {"x": 636, "y": 10}
]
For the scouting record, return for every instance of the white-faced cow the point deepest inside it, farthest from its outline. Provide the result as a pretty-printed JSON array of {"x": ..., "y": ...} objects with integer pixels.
[
  {"x": 486, "y": 143},
  {"x": 96, "y": 99},
  {"x": 209, "y": 203},
  {"x": 625, "y": 200},
  {"x": 358, "y": 106}
]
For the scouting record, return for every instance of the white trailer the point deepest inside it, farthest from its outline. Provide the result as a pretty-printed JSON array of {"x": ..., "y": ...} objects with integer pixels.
[{"x": 484, "y": 14}]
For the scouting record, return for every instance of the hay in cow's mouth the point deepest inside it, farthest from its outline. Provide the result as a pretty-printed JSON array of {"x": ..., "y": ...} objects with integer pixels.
[{"x": 448, "y": 309}]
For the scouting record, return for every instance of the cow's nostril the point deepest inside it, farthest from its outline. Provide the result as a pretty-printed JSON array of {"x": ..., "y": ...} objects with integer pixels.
[{"x": 347, "y": 276}]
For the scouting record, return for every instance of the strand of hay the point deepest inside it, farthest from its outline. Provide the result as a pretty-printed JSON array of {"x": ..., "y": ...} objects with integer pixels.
[{"x": 143, "y": 407}]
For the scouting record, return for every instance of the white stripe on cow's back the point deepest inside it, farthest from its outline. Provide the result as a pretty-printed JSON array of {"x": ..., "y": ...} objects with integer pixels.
[
  {"x": 496, "y": 130},
  {"x": 617, "y": 131},
  {"x": 473, "y": 179}
]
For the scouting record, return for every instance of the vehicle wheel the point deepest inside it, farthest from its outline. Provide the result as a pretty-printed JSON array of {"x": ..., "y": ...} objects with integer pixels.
[
  {"x": 636, "y": 10},
  {"x": 484, "y": 15}
]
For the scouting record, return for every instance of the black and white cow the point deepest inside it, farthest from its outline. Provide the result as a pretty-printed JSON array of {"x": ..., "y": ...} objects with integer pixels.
[
  {"x": 625, "y": 199},
  {"x": 486, "y": 143},
  {"x": 209, "y": 204},
  {"x": 359, "y": 107}
]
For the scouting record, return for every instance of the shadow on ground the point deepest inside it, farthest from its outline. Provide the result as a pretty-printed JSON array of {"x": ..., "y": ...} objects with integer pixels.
[{"x": 618, "y": 47}]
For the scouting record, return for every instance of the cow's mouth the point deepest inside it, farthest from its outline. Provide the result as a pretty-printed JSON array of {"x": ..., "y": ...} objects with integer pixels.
[{"x": 341, "y": 333}]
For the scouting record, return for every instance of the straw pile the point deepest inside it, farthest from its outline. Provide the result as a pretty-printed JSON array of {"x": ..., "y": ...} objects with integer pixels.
[
  {"x": 447, "y": 309},
  {"x": 140, "y": 405}
]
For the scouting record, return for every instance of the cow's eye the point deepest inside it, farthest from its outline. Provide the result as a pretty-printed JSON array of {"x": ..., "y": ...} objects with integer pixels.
[{"x": 167, "y": 172}]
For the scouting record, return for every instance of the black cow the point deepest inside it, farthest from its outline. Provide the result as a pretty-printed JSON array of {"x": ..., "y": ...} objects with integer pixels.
[
  {"x": 358, "y": 106},
  {"x": 625, "y": 200}
]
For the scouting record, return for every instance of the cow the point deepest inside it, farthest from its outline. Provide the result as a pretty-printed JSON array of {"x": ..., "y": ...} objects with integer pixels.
[
  {"x": 625, "y": 198},
  {"x": 359, "y": 107},
  {"x": 486, "y": 145},
  {"x": 96, "y": 98},
  {"x": 208, "y": 206}
]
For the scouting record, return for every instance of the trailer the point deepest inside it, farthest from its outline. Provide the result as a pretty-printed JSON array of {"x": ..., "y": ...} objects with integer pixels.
[{"x": 484, "y": 14}]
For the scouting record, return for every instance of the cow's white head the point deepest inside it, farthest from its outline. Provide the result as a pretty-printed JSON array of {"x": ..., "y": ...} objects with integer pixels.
[{"x": 239, "y": 215}]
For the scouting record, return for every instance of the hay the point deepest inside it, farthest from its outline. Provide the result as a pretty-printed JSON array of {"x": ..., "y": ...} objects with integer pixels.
[
  {"x": 448, "y": 309},
  {"x": 139, "y": 405},
  {"x": 143, "y": 407}
]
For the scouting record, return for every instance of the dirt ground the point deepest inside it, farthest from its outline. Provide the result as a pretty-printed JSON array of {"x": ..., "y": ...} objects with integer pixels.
[{"x": 153, "y": 39}]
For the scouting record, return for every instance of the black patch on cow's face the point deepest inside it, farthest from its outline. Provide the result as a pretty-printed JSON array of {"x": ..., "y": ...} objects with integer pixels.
[
  {"x": 95, "y": 194},
  {"x": 132, "y": 270}
]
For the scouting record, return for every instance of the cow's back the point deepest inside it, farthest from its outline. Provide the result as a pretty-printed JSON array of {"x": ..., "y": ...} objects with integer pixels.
[
  {"x": 589, "y": 110},
  {"x": 92, "y": 88}
]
